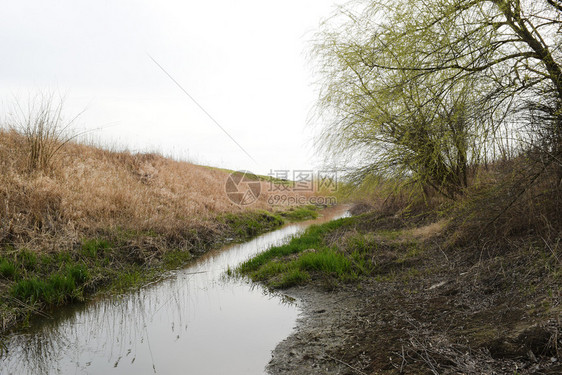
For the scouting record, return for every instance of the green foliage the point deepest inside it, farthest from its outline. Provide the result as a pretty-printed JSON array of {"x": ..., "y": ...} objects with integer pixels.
[
  {"x": 63, "y": 257},
  {"x": 415, "y": 91},
  {"x": 78, "y": 272},
  {"x": 343, "y": 250},
  {"x": 292, "y": 263},
  {"x": 7, "y": 269},
  {"x": 362, "y": 263},
  {"x": 293, "y": 277},
  {"x": 250, "y": 224},
  {"x": 94, "y": 247},
  {"x": 361, "y": 244},
  {"x": 176, "y": 258},
  {"x": 57, "y": 289},
  {"x": 327, "y": 261},
  {"x": 27, "y": 259},
  {"x": 28, "y": 289},
  {"x": 301, "y": 213},
  {"x": 285, "y": 273},
  {"x": 132, "y": 276},
  {"x": 104, "y": 264},
  {"x": 310, "y": 239}
]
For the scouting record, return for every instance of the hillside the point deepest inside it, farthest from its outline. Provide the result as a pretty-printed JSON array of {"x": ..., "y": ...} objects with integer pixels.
[{"x": 94, "y": 220}]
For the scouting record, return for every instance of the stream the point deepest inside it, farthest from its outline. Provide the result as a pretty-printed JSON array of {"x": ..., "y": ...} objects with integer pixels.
[{"x": 196, "y": 321}]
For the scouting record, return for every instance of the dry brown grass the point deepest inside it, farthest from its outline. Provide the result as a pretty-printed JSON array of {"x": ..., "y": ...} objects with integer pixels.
[
  {"x": 119, "y": 218},
  {"x": 88, "y": 190},
  {"x": 426, "y": 232},
  {"x": 517, "y": 198}
]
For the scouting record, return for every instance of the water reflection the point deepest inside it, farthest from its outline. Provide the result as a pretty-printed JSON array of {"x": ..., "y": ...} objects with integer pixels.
[{"x": 195, "y": 321}]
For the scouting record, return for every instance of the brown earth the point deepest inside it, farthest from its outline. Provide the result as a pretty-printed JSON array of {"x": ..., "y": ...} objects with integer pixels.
[{"x": 443, "y": 311}]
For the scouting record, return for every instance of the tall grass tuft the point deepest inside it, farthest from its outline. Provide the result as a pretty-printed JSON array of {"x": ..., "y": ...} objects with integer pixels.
[
  {"x": 44, "y": 128},
  {"x": 57, "y": 289}
]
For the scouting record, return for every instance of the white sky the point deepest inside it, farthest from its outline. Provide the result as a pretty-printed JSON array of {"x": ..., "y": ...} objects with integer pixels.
[{"x": 244, "y": 61}]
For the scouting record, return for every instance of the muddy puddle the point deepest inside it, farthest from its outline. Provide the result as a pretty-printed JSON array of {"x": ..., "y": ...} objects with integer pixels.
[{"x": 196, "y": 321}]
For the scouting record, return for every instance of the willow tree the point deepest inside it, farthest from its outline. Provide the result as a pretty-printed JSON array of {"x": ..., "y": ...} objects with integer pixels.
[{"x": 420, "y": 88}]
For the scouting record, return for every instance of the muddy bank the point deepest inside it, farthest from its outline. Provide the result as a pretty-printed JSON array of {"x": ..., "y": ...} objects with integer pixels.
[
  {"x": 372, "y": 329},
  {"x": 432, "y": 311},
  {"x": 319, "y": 333},
  {"x": 114, "y": 261}
]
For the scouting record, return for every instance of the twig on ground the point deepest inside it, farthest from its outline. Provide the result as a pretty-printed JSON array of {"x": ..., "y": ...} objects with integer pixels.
[{"x": 346, "y": 364}]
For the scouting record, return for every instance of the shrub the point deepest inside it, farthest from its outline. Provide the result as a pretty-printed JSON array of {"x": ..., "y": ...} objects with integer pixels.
[{"x": 45, "y": 131}]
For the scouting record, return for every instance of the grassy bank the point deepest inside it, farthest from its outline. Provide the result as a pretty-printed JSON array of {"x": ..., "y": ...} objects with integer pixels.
[
  {"x": 301, "y": 213},
  {"x": 334, "y": 253},
  {"x": 111, "y": 262},
  {"x": 292, "y": 264},
  {"x": 87, "y": 220},
  {"x": 433, "y": 302}
]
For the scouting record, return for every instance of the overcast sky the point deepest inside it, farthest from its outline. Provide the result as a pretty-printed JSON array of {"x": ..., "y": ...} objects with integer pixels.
[{"x": 243, "y": 61}]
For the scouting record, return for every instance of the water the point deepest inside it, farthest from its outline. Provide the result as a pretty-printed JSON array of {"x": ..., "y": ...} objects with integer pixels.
[{"x": 197, "y": 321}]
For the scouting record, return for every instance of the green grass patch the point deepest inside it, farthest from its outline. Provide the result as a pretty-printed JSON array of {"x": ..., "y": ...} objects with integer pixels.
[
  {"x": 301, "y": 213},
  {"x": 94, "y": 247},
  {"x": 361, "y": 243},
  {"x": 27, "y": 259},
  {"x": 129, "y": 278},
  {"x": 303, "y": 257},
  {"x": 249, "y": 224},
  {"x": 176, "y": 258},
  {"x": 108, "y": 263},
  {"x": 293, "y": 277},
  {"x": 57, "y": 289},
  {"x": 413, "y": 250},
  {"x": 258, "y": 177},
  {"x": 326, "y": 261},
  {"x": 348, "y": 255},
  {"x": 7, "y": 269},
  {"x": 78, "y": 272},
  {"x": 312, "y": 238}
]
